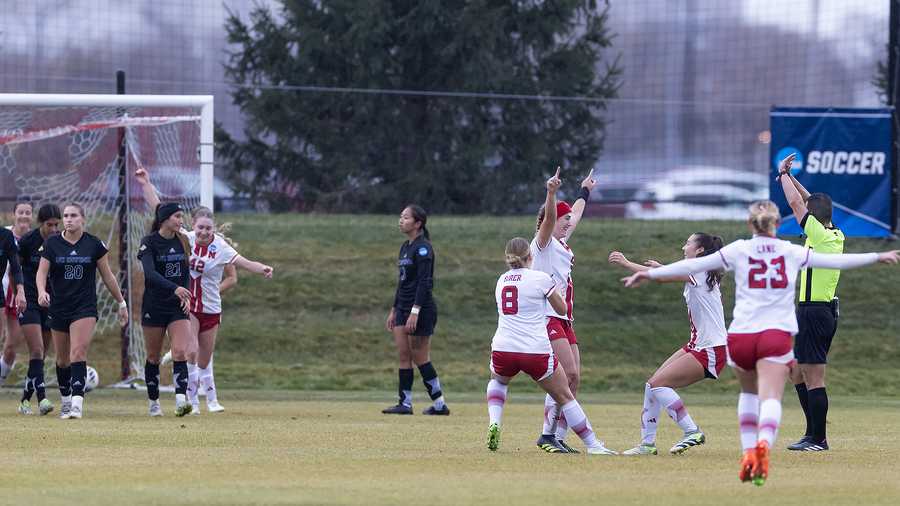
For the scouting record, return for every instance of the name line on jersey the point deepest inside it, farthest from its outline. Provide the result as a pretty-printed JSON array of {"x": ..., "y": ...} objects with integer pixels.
[
  {"x": 170, "y": 258},
  {"x": 73, "y": 260},
  {"x": 512, "y": 277}
]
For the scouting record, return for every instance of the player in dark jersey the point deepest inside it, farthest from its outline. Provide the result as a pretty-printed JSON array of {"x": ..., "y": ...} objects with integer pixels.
[
  {"x": 164, "y": 256},
  {"x": 414, "y": 314},
  {"x": 34, "y": 320},
  {"x": 71, "y": 261}
]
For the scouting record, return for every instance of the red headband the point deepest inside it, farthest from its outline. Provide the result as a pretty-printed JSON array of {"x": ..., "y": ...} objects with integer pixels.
[{"x": 562, "y": 208}]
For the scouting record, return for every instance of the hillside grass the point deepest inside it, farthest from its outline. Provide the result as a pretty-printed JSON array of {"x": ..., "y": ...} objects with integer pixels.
[{"x": 319, "y": 324}]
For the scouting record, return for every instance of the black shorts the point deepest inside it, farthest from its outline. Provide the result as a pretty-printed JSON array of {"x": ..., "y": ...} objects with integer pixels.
[
  {"x": 62, "y": 322},
  {"x": 35, "y": 315},
  {"x": 425, "y": 324},
  {"x": 161, "y": 318},
  {"x": 817, "y": 325}
]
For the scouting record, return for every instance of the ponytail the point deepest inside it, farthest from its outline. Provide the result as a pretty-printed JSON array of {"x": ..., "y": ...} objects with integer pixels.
[
  {"x": 419, "y": 214},
  {"x": 764, "y": 216},
  {"x": 710, "y": 245},
  {"x": 518, "y": 251}
]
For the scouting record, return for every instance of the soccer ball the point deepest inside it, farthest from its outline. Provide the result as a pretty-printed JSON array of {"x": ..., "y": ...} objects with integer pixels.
[{"x": 92, "y": 379}]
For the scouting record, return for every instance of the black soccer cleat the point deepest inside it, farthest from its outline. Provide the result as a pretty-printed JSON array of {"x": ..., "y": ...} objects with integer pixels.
[
  {"x": 439, "y": 412},
  {"x": 399, "y": 409},
  {"x": 568, "y": 448},
  {"x": 549, "y": 444},
  {"x": 800, "y": 443},
  {"x": 814, "y": 446}
]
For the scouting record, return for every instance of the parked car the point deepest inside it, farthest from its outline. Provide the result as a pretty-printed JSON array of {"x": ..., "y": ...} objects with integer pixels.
[{"x": 699, "y": 193}]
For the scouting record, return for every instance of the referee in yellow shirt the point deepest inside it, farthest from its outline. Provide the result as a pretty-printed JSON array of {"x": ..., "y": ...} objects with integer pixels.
[{"x": 817, "y": 311}]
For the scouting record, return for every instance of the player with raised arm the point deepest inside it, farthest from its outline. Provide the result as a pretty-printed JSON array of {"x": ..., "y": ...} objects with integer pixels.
[
  {"x": 817, "y": 308},
  {"x": 521, "y": 344},
  {"x": 413, "y": 315},
  {"x": 550, "y": 249},
  {"x": 702, "y": 357},
  {"x": 212, "y": 270},
  {"x": 759, "y": 337},
  {"x": 10, "y": 314},
  {"x": 34, "y": 321},
  {"x": 71, "y": 260}
]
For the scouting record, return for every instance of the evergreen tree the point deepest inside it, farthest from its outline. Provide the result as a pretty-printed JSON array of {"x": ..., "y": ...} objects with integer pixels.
[{"x": 312, "y": 147}]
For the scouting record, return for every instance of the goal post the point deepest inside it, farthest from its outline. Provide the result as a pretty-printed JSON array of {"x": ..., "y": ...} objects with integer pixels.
[{"x": 60, "y": 148}]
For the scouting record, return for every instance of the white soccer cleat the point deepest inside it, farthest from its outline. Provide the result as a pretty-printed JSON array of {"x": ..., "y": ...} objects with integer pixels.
[
  {"x": 155, "y": 408},
  {"x": 641, "y": 449},
  {"x": 65, "y": 407},
  {"x": 77, "y": 407},
  {"x": 182, "y": 406},
  {"x": 195, "y": 409},
  {"x": 214, "y": 407},
  {"x": 599, "y": 449}
]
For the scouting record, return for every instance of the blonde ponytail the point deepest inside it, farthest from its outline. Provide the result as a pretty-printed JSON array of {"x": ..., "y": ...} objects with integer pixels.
[
  {"x": 764, "y": 216},
  {"x": 518, "y": 251}
]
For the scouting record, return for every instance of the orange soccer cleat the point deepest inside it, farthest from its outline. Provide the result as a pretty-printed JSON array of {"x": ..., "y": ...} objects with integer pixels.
[
  {"x": 748, "y": 463},
  {"x": 761, "y": 468}
]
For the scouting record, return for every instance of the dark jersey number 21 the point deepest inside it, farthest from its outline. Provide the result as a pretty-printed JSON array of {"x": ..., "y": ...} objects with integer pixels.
[{"x": 173, "y": 270}]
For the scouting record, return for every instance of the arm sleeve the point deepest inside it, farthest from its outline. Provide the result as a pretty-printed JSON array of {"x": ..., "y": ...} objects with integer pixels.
[
  {"x": 15, "y": 270},
  {"x": 424, "y": 279},
  {"x": 689, "y": 266},
  {"x": 153, "y": 278},
  {"x": 814, "y": 230},
  {"x": 845, "y": 261}
]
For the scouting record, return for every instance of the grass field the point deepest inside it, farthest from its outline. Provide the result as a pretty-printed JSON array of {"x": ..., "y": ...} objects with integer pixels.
[{"x": 336, "y": 448}]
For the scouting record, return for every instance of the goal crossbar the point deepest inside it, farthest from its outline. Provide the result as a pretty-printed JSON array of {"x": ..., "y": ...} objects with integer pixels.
[{"x": 204, "y": 102}]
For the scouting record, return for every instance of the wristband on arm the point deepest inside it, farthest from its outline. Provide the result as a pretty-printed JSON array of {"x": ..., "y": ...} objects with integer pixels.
[{"x": 584, "y": 194}]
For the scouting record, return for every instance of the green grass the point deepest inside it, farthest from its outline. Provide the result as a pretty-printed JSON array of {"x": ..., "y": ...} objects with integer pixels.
[
  {"x": 273, "y": 447},
  {"x": 320, "y": 323}
]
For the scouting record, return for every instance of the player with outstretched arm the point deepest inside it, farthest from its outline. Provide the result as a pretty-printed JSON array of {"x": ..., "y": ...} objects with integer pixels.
[
  {"x": 702, "y": 357},
  {"x": 760, "y": 347}
]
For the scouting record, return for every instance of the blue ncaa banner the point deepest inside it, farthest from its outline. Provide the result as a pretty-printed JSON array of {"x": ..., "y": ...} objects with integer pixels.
[{"x": 845, "y": 153}]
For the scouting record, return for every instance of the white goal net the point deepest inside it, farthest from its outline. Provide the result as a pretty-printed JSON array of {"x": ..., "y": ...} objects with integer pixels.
[{"x": 85, "y": 148}]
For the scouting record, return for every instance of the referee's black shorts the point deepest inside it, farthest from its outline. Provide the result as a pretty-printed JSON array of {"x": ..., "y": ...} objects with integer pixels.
[{"x": 817, "y": 325}]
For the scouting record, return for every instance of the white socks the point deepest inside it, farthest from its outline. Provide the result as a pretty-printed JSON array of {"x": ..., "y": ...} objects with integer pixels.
[
  {"x": 579, "y": 423},
  {"x": 207, "y": 383},
  {"x": 748, "y": 417},
  {"x": 5, "y": 369},
  {"x": 496, "y": 398},
  {"x": 649, "y": 417},
  {"x": 193, "y": 383},
  {"x": 769, "y": 420},
  {"x": 551, "y": 411},
  {"x": 667, "y": 397}
]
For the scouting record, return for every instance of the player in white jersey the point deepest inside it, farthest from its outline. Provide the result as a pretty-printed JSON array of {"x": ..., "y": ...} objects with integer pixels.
[
  {"x": 552, "y": 255},
  {"x": 702, "y": 357},
  {"x": 760, "y": 347},
  {"x": 14, "y": 337},
  {"x": 521, "y": 344},
  {"x": 212, "y": 271}
]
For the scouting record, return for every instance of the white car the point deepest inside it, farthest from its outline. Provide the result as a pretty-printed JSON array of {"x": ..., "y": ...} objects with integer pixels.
[{"x": 699, "y": 193}]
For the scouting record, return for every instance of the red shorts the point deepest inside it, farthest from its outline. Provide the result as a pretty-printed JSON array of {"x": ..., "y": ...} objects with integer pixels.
[
  {"x": 509, "y": 363},
  {"x": 557, "y": 328},
  {"x": 712, "y": 359},
  {"x": 207, "y": 321},
  {"x": 744, "y": 350},
  {"x": 11, "y": 312}
]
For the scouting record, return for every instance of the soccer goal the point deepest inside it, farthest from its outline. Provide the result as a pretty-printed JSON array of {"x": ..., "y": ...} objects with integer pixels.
[{"x": 59, "y": 148}]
